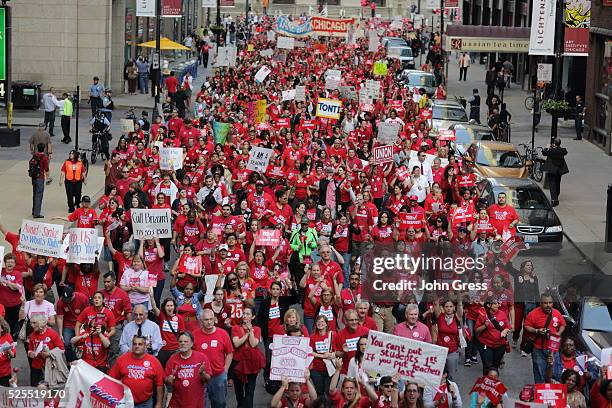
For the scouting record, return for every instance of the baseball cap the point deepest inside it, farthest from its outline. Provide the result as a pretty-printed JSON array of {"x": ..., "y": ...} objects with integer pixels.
[
  {"x": 462, "y": 229},
  {"x": 413, "y": 198},
  {"x": 155, "y": 176},
  {"x": 68, "y": 292},
  {"x": 259, "y": 182},
  {"x": 86, "y": 199},
  {"x": 305, "y": 222},
  {"x": 223, "y": 247}
]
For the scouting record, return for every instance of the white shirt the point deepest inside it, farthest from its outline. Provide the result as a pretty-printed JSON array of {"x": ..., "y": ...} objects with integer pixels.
[
  {"x": 50, "y": 102},
  {"x": 419, "y": 188},
  {"x": 425, "y": 169}
]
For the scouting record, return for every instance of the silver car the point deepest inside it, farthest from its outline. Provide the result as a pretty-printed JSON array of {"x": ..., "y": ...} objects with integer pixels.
[
  {"x": 393, "y": 42},
  {"x": 445, "y": 113},
  {"x": 404, "y": 54},
  {"x": 412, "y": 78}
]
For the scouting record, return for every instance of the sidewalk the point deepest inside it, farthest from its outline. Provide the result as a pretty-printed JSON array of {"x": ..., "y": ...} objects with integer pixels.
[{"x": 583, "y": 191}]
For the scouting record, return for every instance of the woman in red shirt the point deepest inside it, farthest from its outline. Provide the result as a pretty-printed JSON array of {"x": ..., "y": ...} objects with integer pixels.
[
  {"x": 94, "y": 344},
  {"x": 41, "y": 341},
  {"x": 11, "y": 290},
  {"x": 382, "y": 232},
  {"x": 448, "y": 317},
  {"x": 171, "y": 324},
  {"x": 321, "y": 341},
  {"x": 300, "y": 183},
  {"x": 492, "y": 328},
  {"x": 248, "y": 358},
  {"x": 220, "y": 309},
  {"x": 6, "y": 356},
  {"x": 153, "y": 253}
]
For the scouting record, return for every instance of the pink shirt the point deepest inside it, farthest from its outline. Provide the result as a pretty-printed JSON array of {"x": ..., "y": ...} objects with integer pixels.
[{"x": 418, "y": 332}]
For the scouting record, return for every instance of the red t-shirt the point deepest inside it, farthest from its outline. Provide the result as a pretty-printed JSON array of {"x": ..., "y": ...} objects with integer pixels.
[
  {"x": 171, "y": 84},
  {"x": 71, "y": 311},
  {"x": 154, "y": 264},
  {"x": 448, "y": 334},
  {"x": 13, "y": 239},
  {"x": 537, "y": 319},
  {"x": 320, "y": 344},
  {"x": 119, "y": 303},
  {"x": 140, "y": 375},
  {"x": 501, "y": 217},
  {"x": 10, "y": 297},
  {"x": 93, "y": 317},
  {"x": 84, "y": 217},
  {"x": 50, "y": 339},
  {"x": 170, "y": 328},
  {"x": 187, "y": 383},
  {"x": 5, "y": 361},
  {"x": 94, "y": 352},
  {"x": 217, "y": 345},
  {"x": 491, "y": 337},
  {"x": 350, "y": 339}
]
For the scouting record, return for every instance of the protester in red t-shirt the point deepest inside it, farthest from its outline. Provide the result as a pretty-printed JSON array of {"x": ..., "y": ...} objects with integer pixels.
[
  {"x": 503, "y": 217},
  {"x": 41, "y": 341}
]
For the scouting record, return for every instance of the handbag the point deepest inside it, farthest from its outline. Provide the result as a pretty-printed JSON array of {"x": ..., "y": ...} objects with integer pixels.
[{"x": 528, "y": 344}]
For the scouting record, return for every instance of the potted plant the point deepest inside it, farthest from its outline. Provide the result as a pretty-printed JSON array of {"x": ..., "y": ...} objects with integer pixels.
[{"x": 554, "y": 107}]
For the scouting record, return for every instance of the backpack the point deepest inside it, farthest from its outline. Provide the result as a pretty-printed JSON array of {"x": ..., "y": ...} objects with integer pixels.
[{"x": 34, "y": 167}]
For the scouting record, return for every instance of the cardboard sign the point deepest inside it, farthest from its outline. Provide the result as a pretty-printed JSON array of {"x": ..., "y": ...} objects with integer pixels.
[
  {"x": 387, "y": 132},
  {"x": 40, "y": 238},
  {"x": 491, "y": 388},
  {"x": 286, "y": 43},
  {"x": 380, "y": 68},
  {"x": 510, "y": 248},
  {"x": 289, "y": 357},
  {"x": 262, "y": 74},
  {"x": 446, "y": 134},
  {"x": 283, "y": 123},
  {"x": 329, "y": 108},
  {"x": 411, "y": 220},
  {"x": 88, "y": 387},
  {"x": 382, "y": 154},
  {"x": 266, "y": 53},
  {"x": 289, "y": 95},
  {"x": 170, "y": 158},
  {"x": 260, "y": 109},
  {"x": 268, "y": 237},
  {"x": 127, "y": 126},
  {"x": 300, "y": 93},
  {"x": 414, "y": 360},
  {"x": 149, "y": 223},
  {"x": 83, "y": 245},
  {"x": 553, "y": 395},
  {"x": 259, "y": 157}
]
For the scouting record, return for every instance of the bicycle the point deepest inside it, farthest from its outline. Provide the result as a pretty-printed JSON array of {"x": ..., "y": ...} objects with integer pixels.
[{"x": 533, "y": 162}]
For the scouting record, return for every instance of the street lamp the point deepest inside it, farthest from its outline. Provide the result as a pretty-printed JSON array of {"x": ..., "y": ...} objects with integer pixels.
[
  {"x": 558, "y": 66},
  {"x": 157, "y": 58},
  {"x": 218, "y": 23}
]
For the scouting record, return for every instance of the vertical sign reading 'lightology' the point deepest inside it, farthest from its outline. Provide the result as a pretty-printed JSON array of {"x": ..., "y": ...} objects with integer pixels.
[{"x": 3, "y": 85}]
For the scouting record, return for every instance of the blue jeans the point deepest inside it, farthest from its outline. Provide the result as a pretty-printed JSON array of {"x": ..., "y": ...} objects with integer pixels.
[
  {"x": 67, "y": 334},
  {"x": 216, "y": 391},
  {"x": 143, "y": 82},
  {"x": 346, "y": 268},
  {"x": 147, "y": 404},
  {"x": 538, "y": 358},
  {"x": 38, "y": 188}
]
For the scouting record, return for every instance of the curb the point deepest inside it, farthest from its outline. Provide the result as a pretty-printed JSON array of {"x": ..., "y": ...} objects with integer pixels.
[{"x": 592, "y": 263}]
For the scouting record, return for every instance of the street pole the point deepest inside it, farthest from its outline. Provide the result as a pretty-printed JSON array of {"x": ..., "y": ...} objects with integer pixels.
[
  {"x": 442, "y": 40},
  {"x": 246, "y": 21},
  {"x": 218, "y": 23},
  {"x": 158, "y": 9},
  {"x": 558, "y": 66},
  {"x": 533, "y": 116},
  {"x": 76, "y": 111}
]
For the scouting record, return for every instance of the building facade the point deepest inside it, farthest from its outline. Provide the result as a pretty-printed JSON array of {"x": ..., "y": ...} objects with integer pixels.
[{"x": 598, "y": 119}]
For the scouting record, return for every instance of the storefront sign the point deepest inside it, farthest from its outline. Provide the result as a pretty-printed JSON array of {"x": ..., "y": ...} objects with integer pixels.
[
  {"x": 542, "y": 38},
  {"x": 313, "y": 26},
  {"x": 172, "y": 8},
  {"x": 145, "y": 8},
  {"x": 577, "y": 25},
  {"x": 482, "y": 44}
]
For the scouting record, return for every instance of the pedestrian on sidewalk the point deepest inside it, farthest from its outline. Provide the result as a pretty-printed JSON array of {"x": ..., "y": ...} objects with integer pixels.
[
  {"x": 38, "y": 171},
  {"x": 95, "y": 95},
  {"x": 171, "y": 84},
  {"x": 490, "y": 78},
  {"x": 143, "y": 74},
  {"x": 50, "y": 104},
  {"x": 474, "y": 102},
  {"x": 556, "y": 167},
  {"x": 464, "y": 64},
  {"x": 579, "y": 110},
  {"x": 66, "y": 110},
  {"x": 508, "y": 71},
  {"x": 108, "y": 105},
  {"x": 131, "y": 71},
  {"x": 74, "y": 173}
]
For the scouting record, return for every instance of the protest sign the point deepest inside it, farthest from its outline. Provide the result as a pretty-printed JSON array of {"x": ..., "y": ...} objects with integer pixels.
[
  {"x": 332, "y": 82},
  {"x": 266, "y": 53},
  {"x": 446, "y": 134},
  {"x": 40, "y": 238},
  {"x": 149, "y": 223},
  {"x": 127, "y": 126},
  {"x": 387, "y": 132},
  {"x": 380, "y": 68},
  {"x": 221, "y": 130},
  {"x": 413, "y": 360},
  {"x": 300, "y": 93},
  {"x": 289, "y": 356},
  {"x": 308, "y": 124},
  {"x": 250, "y": 47},
  {"x": 373, "y": 41},
  {"x": 411, "y": 220},
  {"x": 261, "y": 106},
  {"x": 510, "y": 248},
  {"x": 262, "y": 74},
  {"x": 299, "y": 44},
  {"x": 226, "y": 57},
  {"x": 1, "y": 257},
  {"x": 553, "y": 395},
  {"x": 283, "y": 123},
  {"x": 490, "y": 387},
  {"x": 271, "y": 35},
  {"x": 83, "y": 245},
  {"x": 372, "y": 89},
  {"x": 329, "y": 108},
  {"x": 259, "y": 157},
  {"x": 347, "y": 92},
  {"x": 170, "y": 158},
  {"x": 513, "y": 403},
  {"x": 268, "y": 237},
  {"x": 286, "y": 43},
  {"x": 88, "y": 387},
  {"x": 382, "y": 154},
  {"x": 333, "y": 73},
  {"x": 289, "y": 95},
  {"x": 211, "y": 282}
]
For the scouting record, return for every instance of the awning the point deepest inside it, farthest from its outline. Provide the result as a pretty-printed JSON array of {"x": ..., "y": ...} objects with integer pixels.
[
  {"x": 487, "y": 38},
  {"x": 164, "y": 44}
]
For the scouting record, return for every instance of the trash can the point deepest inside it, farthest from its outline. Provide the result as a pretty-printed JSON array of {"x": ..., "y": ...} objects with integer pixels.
[{"x": 26, "y": 94}]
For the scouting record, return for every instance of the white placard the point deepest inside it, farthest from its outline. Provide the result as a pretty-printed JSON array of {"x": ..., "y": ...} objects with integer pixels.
[
  {"x": 127, "y": 126},
  {"x": 373, "y": 41},
  {"x": 87, "y": 387},
  {"x": 545, "y": 73},
  {"x": 170, "y": 158},
  {"x": 413, "y": 360},
  {"x": 271, "y": 35},
  {"x": 289, "y": 358},
  {"x": 209, "y": 3},
  {"x": 266, "y": 53},
  {"x": 262, "y": 74},
  {"x": 387, "y": 132},
  {"x": 149, "y": 223},
  {"x": 332, "y": 82},
  {"x": 286, "y": 43},
  {"x": 83, "y": 245},
  {"x": 372, "y": 89},
  {"x": 542, "y": 37},
  {"x": 226, "y": 57},
  {"x": 514, "y": 403},
  {"x": 300, "y": 93},
  {"x": 259, "y": 157},
  {"x": 289, "y": 95},
  {"x": 1, "y": 257},
  {"x": 211, "y": 282},
  {"x": 145, "y": 8},
  {"x": 299, "y": 44},
  {"x": 333, "y": 73},
  {"x": 40, "y": 238}
]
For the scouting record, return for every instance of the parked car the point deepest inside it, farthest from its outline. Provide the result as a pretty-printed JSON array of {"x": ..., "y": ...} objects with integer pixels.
[
  {"x": 495, "y": 159},
  {"x": 411, "y": 78},
  {"x": 445, "y": 113},
  {"x": 393, "y": 42},
  {"x": 404, "y": 54},
  {"x": 539, "y": 225},
  {"x": 468, "y": 133}
]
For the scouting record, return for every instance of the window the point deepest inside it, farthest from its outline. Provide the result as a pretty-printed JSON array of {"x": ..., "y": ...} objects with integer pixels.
[{"x": 498, "y": 158}]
